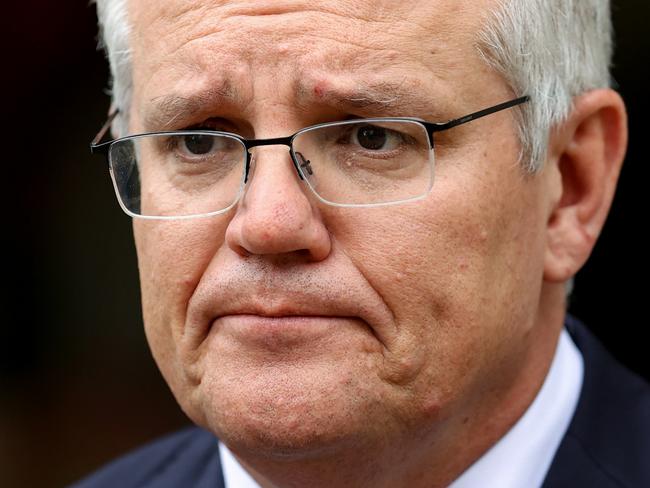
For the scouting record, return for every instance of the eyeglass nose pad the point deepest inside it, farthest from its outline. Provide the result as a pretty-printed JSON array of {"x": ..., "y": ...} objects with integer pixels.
[
  {"x": 299, "y": 161},
  {"x": 303, "y": 163},
  {"x": 250, "y": 160}
]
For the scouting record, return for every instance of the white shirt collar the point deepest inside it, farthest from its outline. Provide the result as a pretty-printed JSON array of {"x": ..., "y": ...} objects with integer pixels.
[
  {"x": 523, "y": 456},
  {"x": 234, "y": 473}
]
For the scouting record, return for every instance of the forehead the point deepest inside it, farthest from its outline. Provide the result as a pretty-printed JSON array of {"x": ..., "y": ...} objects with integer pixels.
[
  {"x": 221, "y": 48},
  {"x": 189, "y": 19}
]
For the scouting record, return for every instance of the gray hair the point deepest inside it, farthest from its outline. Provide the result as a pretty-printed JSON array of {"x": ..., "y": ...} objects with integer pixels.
[
  {"x": 551, "y": 50},
  {"x": 114, "y": 33}
]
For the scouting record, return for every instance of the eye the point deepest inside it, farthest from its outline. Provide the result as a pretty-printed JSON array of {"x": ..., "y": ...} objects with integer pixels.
[
  {"x": 198, "y": 144},
  {"x": 375, "y": 138}
]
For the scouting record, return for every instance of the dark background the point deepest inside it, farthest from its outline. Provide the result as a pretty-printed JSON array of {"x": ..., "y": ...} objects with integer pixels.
[{"x": 77, "y": 383}]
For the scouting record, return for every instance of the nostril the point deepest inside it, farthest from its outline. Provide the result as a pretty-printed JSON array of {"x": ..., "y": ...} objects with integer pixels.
[{"x": 242, "y": 251}]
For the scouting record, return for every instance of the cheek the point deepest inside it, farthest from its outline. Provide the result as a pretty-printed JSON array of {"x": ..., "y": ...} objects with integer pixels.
[
  {"x": 172, "y": 257},
  {"x": 460, "y": 271}
]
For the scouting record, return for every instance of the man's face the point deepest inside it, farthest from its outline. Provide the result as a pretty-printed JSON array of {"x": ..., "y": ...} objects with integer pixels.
[{"x": 292, "y": 327}]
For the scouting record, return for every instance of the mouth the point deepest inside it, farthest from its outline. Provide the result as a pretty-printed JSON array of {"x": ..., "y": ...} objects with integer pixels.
[
  {"x": 259, "y": 307},
  {"x": 280, "y": 331}
]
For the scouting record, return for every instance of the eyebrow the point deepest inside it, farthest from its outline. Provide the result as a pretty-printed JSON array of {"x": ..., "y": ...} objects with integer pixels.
[
  {"x": 378, "y": 97},
  {"x": 164, "y": 111},
  {"x": 382, "y": 96}
]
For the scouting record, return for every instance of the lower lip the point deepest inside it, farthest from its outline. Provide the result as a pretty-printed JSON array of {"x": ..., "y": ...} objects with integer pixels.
[{"x": 279, "y": 331}]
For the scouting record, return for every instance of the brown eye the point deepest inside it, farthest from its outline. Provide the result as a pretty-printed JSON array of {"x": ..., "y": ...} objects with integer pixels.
[
  {"x": 198, "y": 144},
  {"x": 376, "y": 138},
  {"x": 371, "y": 137}
]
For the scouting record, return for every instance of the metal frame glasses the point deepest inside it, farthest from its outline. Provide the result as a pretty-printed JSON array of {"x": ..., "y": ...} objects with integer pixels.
[{"x": 127, "y": 180}]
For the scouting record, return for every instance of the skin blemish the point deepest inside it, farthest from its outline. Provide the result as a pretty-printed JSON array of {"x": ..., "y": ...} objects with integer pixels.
[{"x": 319, "y": 89}]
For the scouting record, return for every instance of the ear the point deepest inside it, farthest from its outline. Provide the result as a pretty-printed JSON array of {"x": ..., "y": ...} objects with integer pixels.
[{"x": 585, "y": 157}]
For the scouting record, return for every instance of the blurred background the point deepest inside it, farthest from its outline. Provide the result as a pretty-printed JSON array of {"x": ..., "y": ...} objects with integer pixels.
[{"x": 77, "y": 383}]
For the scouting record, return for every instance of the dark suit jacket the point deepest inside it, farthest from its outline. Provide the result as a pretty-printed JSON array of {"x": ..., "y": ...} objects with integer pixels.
[{"x": 607, "y": 443}]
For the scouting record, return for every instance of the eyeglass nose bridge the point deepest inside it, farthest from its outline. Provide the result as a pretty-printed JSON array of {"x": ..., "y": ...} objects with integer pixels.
[{"x": 276, "y": 141}]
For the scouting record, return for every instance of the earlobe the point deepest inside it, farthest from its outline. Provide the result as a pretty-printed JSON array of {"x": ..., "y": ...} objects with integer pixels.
[{"x": 585, "y": 157}]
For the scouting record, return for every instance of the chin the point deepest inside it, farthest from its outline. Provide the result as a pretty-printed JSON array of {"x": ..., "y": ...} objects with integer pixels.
[{"x": 289, "y": 411}]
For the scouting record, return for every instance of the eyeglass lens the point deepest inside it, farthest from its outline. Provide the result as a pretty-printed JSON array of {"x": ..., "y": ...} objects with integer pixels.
[{"x": 365, "y": 163}]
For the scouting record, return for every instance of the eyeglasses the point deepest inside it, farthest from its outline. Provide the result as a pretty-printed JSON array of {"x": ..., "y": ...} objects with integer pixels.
[{"x": 199, "y": 173}]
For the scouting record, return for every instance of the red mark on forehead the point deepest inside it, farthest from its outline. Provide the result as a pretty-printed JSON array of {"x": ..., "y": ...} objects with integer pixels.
[{"x": 320, "y": 88}]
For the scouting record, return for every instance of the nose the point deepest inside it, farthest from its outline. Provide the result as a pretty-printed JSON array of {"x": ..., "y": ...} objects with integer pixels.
[{"x": 275, "y": 216}]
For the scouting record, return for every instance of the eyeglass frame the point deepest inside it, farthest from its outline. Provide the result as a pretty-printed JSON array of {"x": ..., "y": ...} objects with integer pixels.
[{"x": 97, "y": 147}]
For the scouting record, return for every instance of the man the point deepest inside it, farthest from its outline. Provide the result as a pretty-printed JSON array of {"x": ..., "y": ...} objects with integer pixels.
[{"x": 321, "y": 304}]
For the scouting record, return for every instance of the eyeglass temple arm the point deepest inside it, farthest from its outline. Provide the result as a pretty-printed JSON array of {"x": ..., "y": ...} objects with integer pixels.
[
  {"x": 477, "y": 115},
  {"x": 95, "y": 146}
]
